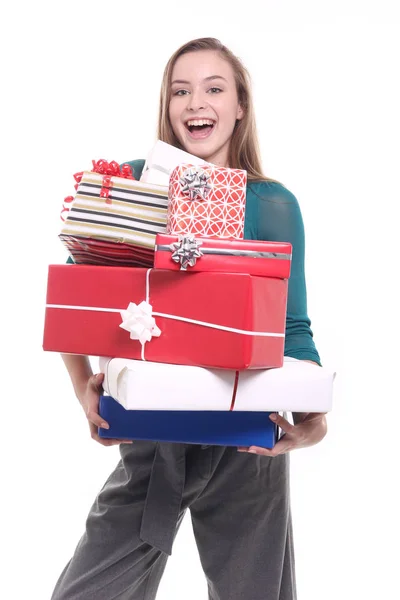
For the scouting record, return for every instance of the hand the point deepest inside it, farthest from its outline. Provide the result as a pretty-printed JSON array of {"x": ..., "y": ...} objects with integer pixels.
[
  {"x": 89, "y": 400},
  {"x": 311, "y": 430}
]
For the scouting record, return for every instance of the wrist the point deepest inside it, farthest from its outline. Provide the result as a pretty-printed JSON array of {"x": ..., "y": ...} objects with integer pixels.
[{"x": 80, "y": 388}]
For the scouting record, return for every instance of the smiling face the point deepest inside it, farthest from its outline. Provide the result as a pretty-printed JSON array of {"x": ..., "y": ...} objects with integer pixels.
[{"x": 204, "y": 105}]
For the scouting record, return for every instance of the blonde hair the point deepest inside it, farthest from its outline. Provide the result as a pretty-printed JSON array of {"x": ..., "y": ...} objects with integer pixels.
[{"x": 244, "y": 151}]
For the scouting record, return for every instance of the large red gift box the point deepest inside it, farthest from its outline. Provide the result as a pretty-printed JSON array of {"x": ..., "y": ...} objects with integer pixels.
[
  {"x": 206, "y": 200},
  {"x": 222, "y": 320},
  {"x": 191, "y": 253}
]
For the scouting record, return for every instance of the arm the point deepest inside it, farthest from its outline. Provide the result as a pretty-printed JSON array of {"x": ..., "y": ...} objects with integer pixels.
[
  {"x": 279, "y": 218},
  {"x": 79, "y": 370},
  {"x": 88, "y": 388}
]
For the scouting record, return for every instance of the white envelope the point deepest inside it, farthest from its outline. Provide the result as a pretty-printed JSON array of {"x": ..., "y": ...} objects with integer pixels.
[
  {"x": 298, "y": 386},
  {"x": 155, "y": 176},
  {"x": 162, "y": 160}
]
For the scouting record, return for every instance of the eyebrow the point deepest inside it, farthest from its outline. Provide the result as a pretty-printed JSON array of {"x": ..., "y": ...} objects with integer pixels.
[{"x": 210, "y": 78}]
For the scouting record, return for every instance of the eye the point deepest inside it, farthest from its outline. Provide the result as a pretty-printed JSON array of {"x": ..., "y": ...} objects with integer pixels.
[
  {"x": 215, "y": 90},
  {"x": 180, "y": 93}
]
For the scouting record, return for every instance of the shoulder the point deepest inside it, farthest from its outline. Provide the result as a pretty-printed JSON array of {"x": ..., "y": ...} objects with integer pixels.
[
  {"x": 137, "y": 166},
  {"x": 272, "y": 191}
]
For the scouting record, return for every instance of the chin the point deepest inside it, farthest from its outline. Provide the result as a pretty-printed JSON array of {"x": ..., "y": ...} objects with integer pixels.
[{"x": 203, "y": 151}]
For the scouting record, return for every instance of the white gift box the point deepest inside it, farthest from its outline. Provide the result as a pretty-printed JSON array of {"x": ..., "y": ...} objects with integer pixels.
[
  {"x": 162, "y": 160},
  {"x": 298, "y": 386}
]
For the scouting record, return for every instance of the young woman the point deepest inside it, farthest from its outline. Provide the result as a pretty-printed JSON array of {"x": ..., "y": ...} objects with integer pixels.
[{"x": 238, "y": 497}]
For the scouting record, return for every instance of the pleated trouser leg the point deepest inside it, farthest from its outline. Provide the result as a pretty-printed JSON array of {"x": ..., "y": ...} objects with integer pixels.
[
  {"x": 111, "y": 561},
  {"x": 243, "y": 529}
]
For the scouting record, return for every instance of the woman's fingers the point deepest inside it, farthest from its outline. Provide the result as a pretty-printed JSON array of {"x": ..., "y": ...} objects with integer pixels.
[
  {"x": 94, "y": 418},
  {"x": 280, "y": 448},
  {"x": 282, "y": 422},
  {"x": 97, "y": 381},
  {"x": 283, "y": 445},
  {"x": 93, "y": 400},
  {"x": 306, "y": 433},
  {"x": 104, "y": 441}
]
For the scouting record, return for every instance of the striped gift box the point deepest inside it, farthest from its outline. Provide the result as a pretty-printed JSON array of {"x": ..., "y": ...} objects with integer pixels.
[
  {"x": 129, "y": 212},
  {"x": 89, "y": 251}
]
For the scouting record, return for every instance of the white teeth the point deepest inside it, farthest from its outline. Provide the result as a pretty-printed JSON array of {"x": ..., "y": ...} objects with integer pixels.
[{"x": 199, "y": 122}]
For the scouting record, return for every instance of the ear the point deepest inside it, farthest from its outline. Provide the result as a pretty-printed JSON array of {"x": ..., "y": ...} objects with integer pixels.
[{"x": 240, "y": 113}]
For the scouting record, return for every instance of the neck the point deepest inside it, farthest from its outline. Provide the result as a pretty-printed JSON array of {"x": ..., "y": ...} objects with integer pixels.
[{"x": 219, "y": 159}]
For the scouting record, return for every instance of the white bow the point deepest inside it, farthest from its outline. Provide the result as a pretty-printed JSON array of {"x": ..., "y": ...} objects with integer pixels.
[{"x": 138, "y": 320}]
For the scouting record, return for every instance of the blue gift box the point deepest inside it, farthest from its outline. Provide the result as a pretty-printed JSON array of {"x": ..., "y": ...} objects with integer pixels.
[{"x": 221, "y": 428}]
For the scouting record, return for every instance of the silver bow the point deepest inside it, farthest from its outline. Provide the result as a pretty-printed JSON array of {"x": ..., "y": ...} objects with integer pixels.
[
  {"x": 186, "y": 251},
  {"x": 195, "y": 183}
]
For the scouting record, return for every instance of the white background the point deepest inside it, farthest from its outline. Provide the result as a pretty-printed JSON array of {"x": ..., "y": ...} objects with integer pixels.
[{"x": 81, "y": 81}]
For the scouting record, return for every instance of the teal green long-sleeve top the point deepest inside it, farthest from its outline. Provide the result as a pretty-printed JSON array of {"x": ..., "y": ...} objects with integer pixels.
[{"x": 273, "y": 214}]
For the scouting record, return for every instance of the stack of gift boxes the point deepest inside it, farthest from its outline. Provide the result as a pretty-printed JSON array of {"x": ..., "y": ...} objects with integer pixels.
[{"x": 187, "y": 317}]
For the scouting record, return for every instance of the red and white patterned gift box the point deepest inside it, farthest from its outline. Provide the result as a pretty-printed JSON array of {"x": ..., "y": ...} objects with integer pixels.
[{"x": 208, "y": 201}]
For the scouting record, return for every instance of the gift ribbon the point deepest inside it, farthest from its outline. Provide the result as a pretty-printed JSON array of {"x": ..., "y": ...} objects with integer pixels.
[
  {"x": 187, "y": 251},
  {"x": 112, "y": 169},
  {"x": 195, "y": 183},
  {"x": 139, "y": 322},
  {"x": 234, "y": 391},
  {"x": 67, "y": 200},
  {"x": 106, "y": 186},
  {"x": 167, "y": 316},
  {"x": 108, "y": 170}
]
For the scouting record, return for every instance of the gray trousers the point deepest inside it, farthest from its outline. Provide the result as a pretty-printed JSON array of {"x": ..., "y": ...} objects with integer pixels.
[{"x": 240, "y": 511}]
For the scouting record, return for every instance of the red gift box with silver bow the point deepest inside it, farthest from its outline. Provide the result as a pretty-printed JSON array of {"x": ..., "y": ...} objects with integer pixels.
[
  {"x": 190, "y": 253},
  {"x": 164, "y": 316},
  {"x": 207, "y": 201}
]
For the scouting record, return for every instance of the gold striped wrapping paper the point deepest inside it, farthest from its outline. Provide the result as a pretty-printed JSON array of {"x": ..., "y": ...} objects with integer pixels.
[{"x": 134, "y": 214}]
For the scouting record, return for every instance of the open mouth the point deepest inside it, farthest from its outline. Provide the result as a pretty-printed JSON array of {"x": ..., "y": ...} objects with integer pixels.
[{"x": 200, "y": 128}]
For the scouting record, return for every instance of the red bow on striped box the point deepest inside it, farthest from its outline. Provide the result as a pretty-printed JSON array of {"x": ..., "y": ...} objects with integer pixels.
[{"x": 106, "y": 169}]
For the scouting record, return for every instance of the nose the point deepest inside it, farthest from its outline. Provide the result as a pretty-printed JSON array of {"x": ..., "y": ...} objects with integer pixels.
[{"x": 197, "y": 101}]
